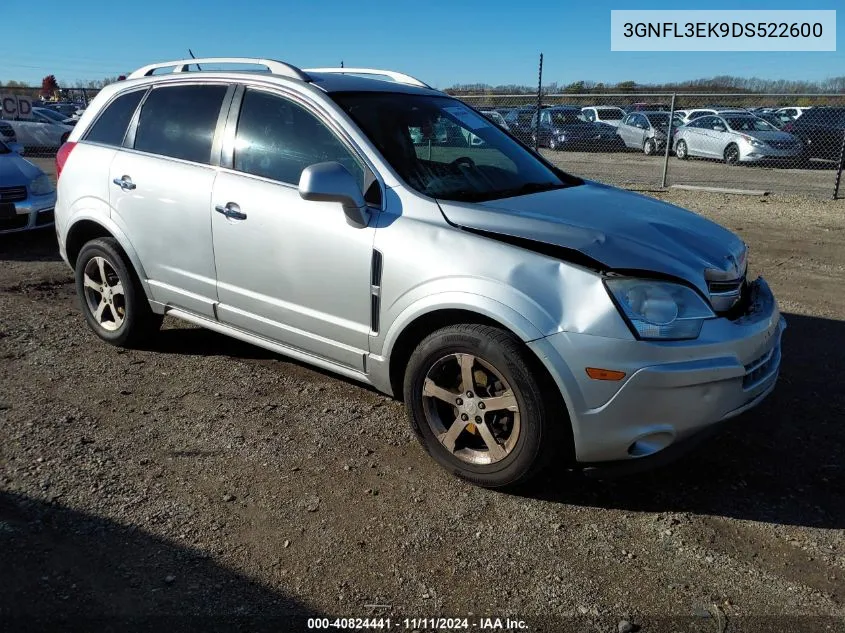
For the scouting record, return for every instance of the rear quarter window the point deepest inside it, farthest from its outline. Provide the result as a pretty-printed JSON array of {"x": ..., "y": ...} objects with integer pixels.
[{"x": 110, "y": 126}]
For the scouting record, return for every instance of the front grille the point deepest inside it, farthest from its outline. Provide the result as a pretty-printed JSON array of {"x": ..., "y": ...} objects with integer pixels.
[
  {"x": 782, "y": 144},
  {"x": 724, "y": 295},
  {"x": 12, "y": 194},
  {"x": 762, "y": 368},
  {"x": 17, "y": 222}
]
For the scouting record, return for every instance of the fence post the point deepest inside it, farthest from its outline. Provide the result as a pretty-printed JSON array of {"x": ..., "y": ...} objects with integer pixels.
[
  {"x": 839, "y": 168},
  {"x": 668, "y": 143},
  {"x": 539, "y": 105}
]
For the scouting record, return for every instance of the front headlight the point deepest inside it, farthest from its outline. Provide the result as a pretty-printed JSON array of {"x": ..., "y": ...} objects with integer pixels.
[
  {"x": 754, "y": 142},
  {"x": 41, "y": 185},
  {"x": 659, "y": 310}
]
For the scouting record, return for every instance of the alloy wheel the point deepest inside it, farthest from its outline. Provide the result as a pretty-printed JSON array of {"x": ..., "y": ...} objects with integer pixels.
[
  {"x": 471, "y": 409},
  {"x": 104, "y": 294}
]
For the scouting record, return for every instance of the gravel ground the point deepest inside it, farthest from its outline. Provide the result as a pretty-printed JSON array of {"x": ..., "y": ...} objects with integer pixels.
[{"x": 205, "y": 477}]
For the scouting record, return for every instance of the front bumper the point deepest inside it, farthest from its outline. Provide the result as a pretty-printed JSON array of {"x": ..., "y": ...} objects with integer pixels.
[
  {"x": 672, "y": 390},
  {"x": 33, "y": 213},
  {"x": 751, "y": 154}
]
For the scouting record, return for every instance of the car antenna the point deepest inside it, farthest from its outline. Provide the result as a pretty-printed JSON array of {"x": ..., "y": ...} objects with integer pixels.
[{"x": 191, "y": 53}]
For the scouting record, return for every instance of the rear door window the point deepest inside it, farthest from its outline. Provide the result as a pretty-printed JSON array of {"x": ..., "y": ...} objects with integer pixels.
[
  {"x": 179, "y": 121},
  {"x": 110, "y": 126}
]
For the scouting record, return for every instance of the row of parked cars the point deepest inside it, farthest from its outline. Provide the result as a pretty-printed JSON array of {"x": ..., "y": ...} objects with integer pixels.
[
  {"x": 735, "y": 135},
  {"x": 46, "y": 128}
]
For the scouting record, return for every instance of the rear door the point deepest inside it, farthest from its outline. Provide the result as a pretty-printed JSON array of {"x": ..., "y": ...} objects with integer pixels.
[
  {"x": 626, "y": 129},
  {"x": 160, "y": 191}
]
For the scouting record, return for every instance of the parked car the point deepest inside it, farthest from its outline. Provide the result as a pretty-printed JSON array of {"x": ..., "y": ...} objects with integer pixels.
[
  {"x": 564, "y": 127},
  {"x": 647, "y": 131},
  {"x": 611, "y": 115},
  {"x": 27, "y": 195},
  {"x": 735, "y": 138},
  {"x": 523, "y": 313},
  {"x": 820, "y": 130},
  {"x": 40, "y": 132},
  {"x": 793, "y": 112},
  {"x": 519, "y": 122},
  {"x": 773, "y": 119},
  {"x": 497, "y": 118},
  {"x": 48, "y": 115}
]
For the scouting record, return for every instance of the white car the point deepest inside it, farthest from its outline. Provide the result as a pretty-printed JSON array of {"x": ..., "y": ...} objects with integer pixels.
[
  {"x": 792, "y": 112},
  {"x": 39, "y": 132},
  {"x": 603, "y": 114}
]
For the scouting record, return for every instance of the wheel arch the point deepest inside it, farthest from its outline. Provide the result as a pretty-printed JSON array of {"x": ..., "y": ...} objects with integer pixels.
[{"x": 84, "y": 229}]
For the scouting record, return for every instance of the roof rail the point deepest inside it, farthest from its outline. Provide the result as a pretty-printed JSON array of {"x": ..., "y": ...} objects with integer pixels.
[
  {"x": 401, "y": 78},
  {"x": 181, "y": 66}
]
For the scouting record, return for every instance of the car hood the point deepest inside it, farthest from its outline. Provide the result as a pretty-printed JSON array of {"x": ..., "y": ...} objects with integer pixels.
[
  {"x": 15, "y": 171},
  {"x": 621, "y": 230}
]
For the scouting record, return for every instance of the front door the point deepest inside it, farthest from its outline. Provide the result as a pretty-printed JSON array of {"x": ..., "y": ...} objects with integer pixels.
[{"x": 291, "y": 271}]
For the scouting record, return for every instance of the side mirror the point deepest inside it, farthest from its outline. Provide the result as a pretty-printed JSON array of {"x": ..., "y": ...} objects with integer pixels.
[{"x": 332, "y": 182}]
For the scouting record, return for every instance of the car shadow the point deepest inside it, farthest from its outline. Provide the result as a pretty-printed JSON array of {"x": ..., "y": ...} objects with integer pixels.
[
  {"x": 67, "y": 570},
  {"x": 780, "y": 463},
  {"x": 39, "y": 245}
]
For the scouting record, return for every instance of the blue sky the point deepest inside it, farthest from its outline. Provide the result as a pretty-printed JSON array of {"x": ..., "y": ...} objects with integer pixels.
[{"x": 442, "y": 42}]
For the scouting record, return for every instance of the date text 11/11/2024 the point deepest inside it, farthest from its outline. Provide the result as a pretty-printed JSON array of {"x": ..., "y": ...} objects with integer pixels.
[{"x": 418, "y": 624}]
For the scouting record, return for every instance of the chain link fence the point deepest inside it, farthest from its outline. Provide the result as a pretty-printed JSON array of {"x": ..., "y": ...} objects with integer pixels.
[
  {"x": 35, "y": 126},
  {"x": 762, "y": 142}
]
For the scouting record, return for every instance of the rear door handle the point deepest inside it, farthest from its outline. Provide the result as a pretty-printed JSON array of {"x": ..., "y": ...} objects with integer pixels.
[
  {"x": 231, "y": 210},
  {"x": 125, "y": 183}
]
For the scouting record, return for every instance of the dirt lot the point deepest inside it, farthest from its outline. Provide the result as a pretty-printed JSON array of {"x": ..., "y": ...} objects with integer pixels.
[{"x": 205, "y": 477}]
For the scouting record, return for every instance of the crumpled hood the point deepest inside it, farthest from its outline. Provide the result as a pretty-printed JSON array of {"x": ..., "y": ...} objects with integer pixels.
[
  {"x": 619, "y": 229},
  {"x": 15, "y": 171}
]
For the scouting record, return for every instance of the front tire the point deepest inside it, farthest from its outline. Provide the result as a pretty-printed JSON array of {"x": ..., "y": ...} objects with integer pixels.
[
  {"x": 649, "y": 147},
  {"x": 681, "y": 150},
  {"x": 475, "y": 400},
  {"x": 731, "y": 155},
  {"x": 111, "y": 296},
  {"x": 552, "y": 143}
]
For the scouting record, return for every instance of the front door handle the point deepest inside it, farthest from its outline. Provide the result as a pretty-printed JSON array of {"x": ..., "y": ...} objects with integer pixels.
[
  {"x": 231, "y": 211},
  {"x": 125, "y": 183}
]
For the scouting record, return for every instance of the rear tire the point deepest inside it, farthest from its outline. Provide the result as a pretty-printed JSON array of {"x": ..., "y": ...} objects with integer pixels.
[
  {"x": 450, "y": 422},
  {"x": 552, "y": 144},
  {"x": 681, "y": 150},
  {"x": 111, "y": 296},
  {"x": 649, "y": 147}
]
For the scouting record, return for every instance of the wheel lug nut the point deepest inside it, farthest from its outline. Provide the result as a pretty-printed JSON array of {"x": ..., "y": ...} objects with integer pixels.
[
  {"x": 481, "y": 405},
  {"x": 459, "y": 401},
  {"x": 469, "y": 394},
  {"x": 478, "y": 419},
  {"x": 464, "y": 417}
]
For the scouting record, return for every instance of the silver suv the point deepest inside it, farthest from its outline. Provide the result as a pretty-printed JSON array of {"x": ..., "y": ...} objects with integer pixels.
[{"x": 523, "y": 314}]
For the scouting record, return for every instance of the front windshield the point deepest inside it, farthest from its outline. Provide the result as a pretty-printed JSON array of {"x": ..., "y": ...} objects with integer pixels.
[
  {"x": 443, "y": 149},
  {"x": 749, "y": 124},
  {"x": 567, "y": 117},
  {"x": 52, "y": 114}
]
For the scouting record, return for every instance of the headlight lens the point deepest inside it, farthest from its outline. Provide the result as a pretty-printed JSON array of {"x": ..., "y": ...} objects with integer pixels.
[
  {"x": 41, "y": 185},
  {"x": 660, "y": 309},
  {"x": 754, "y": 142}
]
